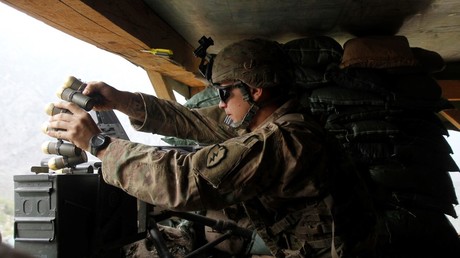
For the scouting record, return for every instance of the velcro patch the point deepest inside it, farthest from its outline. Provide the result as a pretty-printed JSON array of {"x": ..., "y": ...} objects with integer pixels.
[
  {"x": 215, "y": 155},
  {"x": 214, "y": 163}
]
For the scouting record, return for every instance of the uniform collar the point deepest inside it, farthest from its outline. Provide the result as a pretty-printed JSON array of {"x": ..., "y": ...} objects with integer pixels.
[{"x": 289, "y": 106}]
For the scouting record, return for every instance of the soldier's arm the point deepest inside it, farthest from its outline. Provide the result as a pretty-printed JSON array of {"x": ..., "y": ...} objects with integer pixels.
[
  {"x": 210, "y": 178},
  {"x": 169, "y": 118}
]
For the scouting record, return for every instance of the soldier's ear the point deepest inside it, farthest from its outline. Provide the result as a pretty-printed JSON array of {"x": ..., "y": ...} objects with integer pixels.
[{"x": 256, "y": 93}]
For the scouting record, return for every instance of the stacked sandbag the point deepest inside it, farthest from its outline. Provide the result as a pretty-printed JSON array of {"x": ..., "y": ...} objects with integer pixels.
[
  {"x": 383, "y": 108},
  {"x": 381, "y": 102},
  {"x": 312, "y": 57}
]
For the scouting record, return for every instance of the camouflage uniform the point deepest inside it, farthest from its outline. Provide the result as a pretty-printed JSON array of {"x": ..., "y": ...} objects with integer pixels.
[{"x": 275, "y": 171}]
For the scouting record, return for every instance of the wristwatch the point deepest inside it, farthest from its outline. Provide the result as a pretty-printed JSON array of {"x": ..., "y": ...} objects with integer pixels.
[{"x": 98, "y": 142}]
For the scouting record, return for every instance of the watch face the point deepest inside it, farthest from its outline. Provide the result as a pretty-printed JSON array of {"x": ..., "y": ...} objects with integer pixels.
[{"x": 98, "y": 140}]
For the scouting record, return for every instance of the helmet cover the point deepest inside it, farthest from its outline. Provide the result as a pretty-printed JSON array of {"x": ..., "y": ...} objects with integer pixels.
[{"x": 258, "y": 63}]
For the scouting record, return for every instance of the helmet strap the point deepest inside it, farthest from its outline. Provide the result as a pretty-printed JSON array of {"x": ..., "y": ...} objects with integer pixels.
[{"x": 244, "y": 123}]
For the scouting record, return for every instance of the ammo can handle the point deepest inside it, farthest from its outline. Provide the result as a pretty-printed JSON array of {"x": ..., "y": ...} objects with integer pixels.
[{"x": 35, "y": 239}]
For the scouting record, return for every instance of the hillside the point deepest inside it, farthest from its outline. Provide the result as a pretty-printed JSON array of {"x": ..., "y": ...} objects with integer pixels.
[{"x": 36, "y": 59}]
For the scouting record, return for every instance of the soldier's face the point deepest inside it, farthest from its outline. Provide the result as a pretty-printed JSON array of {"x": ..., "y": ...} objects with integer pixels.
[{"x": 234, "y": 105}]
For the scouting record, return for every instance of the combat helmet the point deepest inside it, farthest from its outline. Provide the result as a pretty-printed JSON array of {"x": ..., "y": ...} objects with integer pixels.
[
  {"x": 259, "y": 63},
  {"x": 256, "y": 63}
]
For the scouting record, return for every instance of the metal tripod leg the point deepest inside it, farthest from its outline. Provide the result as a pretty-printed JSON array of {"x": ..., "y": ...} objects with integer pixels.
[{"x": 158, "y": 240}]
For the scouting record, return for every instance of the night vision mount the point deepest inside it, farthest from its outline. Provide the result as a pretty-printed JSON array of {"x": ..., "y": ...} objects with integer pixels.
[{"x": 206, "y": 59}]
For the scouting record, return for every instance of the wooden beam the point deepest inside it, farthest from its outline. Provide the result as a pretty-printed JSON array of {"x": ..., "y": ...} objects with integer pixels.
[
  {"x": 160, "y": 86},
  {"x": 196, "y": 90},
  {"x": 453, "y": 116},
  {"x": 450, "y": 89},
  {"x": 123, "y": 27},
  {"x": 451, "y": 92}
]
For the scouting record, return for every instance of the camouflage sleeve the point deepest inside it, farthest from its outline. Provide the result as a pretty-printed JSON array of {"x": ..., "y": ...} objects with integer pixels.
[
  {"x": 211, "y": 178},
  {"x": 241, "y": 168},
  {"x": 160, "y": 177},
  {"x": 169, "y": 118},
  {"x": 268, "y": 160}
]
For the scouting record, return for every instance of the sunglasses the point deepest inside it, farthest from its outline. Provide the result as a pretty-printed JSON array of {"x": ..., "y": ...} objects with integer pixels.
[{"x": 225, "y": 92}]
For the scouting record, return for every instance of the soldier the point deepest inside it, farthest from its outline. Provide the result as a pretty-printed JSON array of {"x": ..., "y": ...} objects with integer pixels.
[{"x": 268, "y": 156}]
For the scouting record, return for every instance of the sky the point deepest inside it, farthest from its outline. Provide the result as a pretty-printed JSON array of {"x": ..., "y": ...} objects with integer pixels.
[
  {"x": 38, "y": 59},
  {"x": 52, "y": 56}
]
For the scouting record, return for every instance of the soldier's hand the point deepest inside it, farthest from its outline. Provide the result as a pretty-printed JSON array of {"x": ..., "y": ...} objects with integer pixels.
[
  {"x": 108, "y": 98},
  {"x": 76, "y": 127}
]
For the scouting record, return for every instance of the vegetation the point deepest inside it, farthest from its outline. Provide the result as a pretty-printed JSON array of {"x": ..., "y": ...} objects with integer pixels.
[{"x": 6, "y": 218}]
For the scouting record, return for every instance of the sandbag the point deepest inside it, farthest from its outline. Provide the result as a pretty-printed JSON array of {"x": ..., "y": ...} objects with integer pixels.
[
  {"x": 378, "y": 52},
  {"x": 312, "y": 56}
]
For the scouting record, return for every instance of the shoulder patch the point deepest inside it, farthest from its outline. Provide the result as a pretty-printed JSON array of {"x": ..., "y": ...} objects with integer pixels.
[
  {"x": 214, "y": 163},
  {"x": 215, "y": 155}
]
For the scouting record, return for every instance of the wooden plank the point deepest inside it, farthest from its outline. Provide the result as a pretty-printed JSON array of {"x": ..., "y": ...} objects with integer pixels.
[
  {"x": 196, "y": 90},
  {"x": 160, "y": 86},
  {"x": 123, "y": 27},
  {"x": 139, "y": 20},
  {"x": 451, "y": 92},
  {"x": 450, "y": 89},
  {"x": 453, "y": 116}
]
